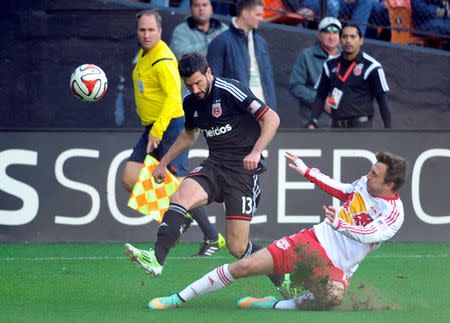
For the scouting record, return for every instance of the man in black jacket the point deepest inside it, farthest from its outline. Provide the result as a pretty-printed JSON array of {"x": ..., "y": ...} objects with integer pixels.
[{"x": 349, "y": 83}]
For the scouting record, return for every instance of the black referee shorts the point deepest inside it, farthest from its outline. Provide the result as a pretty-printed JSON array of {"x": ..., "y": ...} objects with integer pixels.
[{"x": 238, "y": 191}]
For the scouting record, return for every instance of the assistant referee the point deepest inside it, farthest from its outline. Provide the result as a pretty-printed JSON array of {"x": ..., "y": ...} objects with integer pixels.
[{"x": 348, "y": 85}]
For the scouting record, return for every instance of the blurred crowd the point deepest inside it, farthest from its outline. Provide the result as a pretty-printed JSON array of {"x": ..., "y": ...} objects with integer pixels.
[
  {"x": 335, "y": 81},
  {"x": 409, "y": 22}
]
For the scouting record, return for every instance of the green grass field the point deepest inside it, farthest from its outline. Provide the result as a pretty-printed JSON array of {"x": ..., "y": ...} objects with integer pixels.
[{"x": 96, "y": 283}]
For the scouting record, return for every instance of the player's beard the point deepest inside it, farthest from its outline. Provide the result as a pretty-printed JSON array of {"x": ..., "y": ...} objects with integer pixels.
[
  {"x": 206, "y": 91},
  {"x": 208, "y": 87}
]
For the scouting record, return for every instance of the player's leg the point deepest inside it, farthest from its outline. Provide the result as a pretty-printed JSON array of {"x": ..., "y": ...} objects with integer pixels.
[
  {"x": 210, "y": 233},
  {"x": 144, "y": 258},
  {"x": 326, "y": 283},
  {"x": 241, "y": 198},
  {"x": 324, "y": 296},
  {"x": 197, "y": 189},
  {"x": 188, "y": 196},
  {"x": 256, "y": 264},
  {"x": 321, "y": 297},
  {"x": 237, "y": 232},
  {"x": 179, "y": 167},
  {"x": 130, "y": 174}
]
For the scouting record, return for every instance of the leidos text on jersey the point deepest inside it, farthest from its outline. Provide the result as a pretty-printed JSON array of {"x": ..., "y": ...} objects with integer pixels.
[{"x": 217, "y": 131}]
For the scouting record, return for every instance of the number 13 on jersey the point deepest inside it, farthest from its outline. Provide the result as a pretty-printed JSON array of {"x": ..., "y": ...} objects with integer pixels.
[{"x": 248, "y": 207}]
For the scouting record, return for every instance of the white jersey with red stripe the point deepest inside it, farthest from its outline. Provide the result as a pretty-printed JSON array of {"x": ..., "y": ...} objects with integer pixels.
[{"x": 361, "y": 224}]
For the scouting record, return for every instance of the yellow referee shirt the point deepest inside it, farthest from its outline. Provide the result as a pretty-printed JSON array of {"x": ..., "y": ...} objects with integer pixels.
[{"x": 157, "y": 88}]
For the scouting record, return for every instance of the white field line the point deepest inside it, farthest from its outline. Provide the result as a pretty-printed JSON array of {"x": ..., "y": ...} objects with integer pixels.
[
  {"x": 90, "y": 258},
  {"x": 444, "y": 255}
]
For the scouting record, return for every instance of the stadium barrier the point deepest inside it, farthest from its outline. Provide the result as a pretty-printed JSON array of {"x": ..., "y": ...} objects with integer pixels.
[{"x": 65, "y": 186}]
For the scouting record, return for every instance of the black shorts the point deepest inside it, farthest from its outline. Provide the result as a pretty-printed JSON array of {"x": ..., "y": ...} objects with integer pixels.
[{"x": 239, "y": 192}]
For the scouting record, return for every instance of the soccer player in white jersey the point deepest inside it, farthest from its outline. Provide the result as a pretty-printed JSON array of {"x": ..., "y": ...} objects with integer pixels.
[{"x": 371, "y": 213}]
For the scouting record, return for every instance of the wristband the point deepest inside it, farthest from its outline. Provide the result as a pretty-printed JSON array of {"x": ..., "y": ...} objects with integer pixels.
[{"x": 301, "y": 165}]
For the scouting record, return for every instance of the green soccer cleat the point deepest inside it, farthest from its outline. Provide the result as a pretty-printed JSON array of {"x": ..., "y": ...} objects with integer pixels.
[
  {"x": 267, "y": 302},
  {"x": 145, "y": 259},
  {"x": 209, "y": 248},
  {"x": 287, "y": 290},
  {"x": 164, "y": 303}
]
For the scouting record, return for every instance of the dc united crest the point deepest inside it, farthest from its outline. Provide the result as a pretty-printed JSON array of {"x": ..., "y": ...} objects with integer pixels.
[
  {"x": 216, "y": 109},
  {"x": 358, "y": 69}
]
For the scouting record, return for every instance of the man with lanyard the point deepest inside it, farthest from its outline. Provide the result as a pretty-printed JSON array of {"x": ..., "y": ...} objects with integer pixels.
[
  {"x": 349, "y": 83},
  {"x": 308, "y": 66}
]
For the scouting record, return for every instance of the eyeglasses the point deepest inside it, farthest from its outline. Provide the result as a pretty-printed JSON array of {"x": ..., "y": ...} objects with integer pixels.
[{"x": 330, "y": 28}]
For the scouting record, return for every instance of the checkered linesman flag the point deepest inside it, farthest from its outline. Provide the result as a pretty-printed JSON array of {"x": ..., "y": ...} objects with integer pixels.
[{"x": 149, "y": 197}]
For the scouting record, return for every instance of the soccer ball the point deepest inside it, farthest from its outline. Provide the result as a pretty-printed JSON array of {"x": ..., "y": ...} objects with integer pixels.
[{"x": 88, "y": 83}]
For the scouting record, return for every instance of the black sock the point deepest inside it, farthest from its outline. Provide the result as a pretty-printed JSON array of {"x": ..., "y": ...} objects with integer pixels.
[
  {"x": 169, "y": 231},
  {"x": 199, "y": 215},
  {"x": 277, "y": 280}
]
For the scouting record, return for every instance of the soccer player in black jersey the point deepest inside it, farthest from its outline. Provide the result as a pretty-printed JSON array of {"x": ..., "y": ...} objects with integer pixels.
[{"x": 237, "y": 127}]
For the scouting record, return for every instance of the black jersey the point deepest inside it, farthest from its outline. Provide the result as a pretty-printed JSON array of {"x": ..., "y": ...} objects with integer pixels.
[
  {"x": 228, "y": 117},
  {"x": 360, "y": 80}
]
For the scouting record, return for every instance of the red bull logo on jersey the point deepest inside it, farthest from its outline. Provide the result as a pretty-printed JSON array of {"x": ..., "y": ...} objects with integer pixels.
[
  {"x": 216, "y": 109},
  {"x": 354, "y": 210}
]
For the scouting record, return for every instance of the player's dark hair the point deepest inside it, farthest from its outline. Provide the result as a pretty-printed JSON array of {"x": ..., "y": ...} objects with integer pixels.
[
  {"x": 352, "y": 25},
  {"x": 150, "y": 12},
  {"x": 247, "y": 4},
  {"x": 190, "y": 63},
  {"x": 397, "y": 168}
]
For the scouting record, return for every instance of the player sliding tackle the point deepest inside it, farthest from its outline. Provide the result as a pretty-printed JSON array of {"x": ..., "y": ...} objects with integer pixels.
[{"x": 371, "y": 213}]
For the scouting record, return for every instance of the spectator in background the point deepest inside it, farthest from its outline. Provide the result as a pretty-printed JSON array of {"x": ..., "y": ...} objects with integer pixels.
[
  {"x": 357, "y": 11},
  {"x": 224, "y": 7},
  {"x": 432, "y": 16},
  {"x": 307, "y": 69},
  {"x": 379, "y": 17},
  {"x": 349, "y": 83},
  {"x": 240, "y": 53},
  {"x": 307, "y": 8},
  {"x": 157, "y": 92},
  {"x": 198, "y": 31}
]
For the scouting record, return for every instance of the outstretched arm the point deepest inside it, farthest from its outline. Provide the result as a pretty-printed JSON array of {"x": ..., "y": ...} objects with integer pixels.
[{"x": 327, "y": 184}]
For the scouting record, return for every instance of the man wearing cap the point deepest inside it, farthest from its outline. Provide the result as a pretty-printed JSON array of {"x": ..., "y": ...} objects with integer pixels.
[
  {"x": 349, "y": 83},
  {"x": 307, "y": 67}
]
